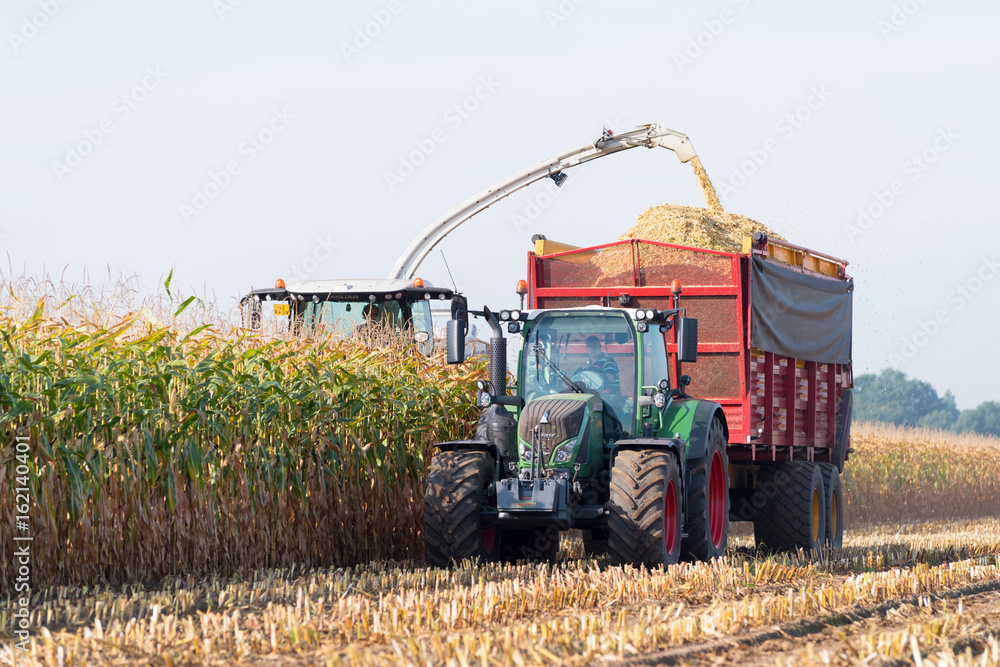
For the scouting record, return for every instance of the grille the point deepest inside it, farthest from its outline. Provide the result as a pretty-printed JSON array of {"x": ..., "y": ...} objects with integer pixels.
[{"x": 565, "y": 417}]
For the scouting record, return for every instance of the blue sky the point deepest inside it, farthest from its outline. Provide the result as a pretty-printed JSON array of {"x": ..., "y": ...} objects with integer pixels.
[{"x": 902, "y": 127}]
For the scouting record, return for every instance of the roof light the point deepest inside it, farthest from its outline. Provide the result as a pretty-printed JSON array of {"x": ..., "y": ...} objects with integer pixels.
[
  {"x": 650, "y": 314},
  {"x": 522, "y": 287},
  {"x": 504, "y": 315},
  {"x": 675, "y": 287},
  {"x": 640, "y": 314},
  {"x": 418, "y": 282},
  {"x": 279, "y": 284}
]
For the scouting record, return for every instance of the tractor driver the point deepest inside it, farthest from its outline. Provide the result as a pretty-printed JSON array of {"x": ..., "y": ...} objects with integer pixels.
[{"x": 603, "y": 364}]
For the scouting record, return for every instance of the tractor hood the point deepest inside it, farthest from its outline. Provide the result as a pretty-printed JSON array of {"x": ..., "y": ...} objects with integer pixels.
[{"x": 558, "y": 418}]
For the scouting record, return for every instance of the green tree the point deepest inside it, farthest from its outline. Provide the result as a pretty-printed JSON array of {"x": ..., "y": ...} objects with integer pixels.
[
  {"x": 944, "y": 417},
  {"x": 984, "y": 419},
  {"x": 893, "y": 398}
]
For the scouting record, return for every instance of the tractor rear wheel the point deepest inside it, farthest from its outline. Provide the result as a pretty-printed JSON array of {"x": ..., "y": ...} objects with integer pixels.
[
  {"x": 794, "y": 515},
  {"x": 531, "y": 544},
  {"x": 644, "y": 525},
  {"x": 834, "y": 505},
  {"x": 707, "y": 525},
  {"x": 453, "y": 508}
]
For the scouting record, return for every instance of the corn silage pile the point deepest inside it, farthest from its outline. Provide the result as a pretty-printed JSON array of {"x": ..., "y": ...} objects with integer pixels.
[{"x": 711, "y": 227}]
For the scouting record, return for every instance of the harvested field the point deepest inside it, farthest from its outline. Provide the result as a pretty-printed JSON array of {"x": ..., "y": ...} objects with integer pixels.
[{"x": 872, "y": 602}]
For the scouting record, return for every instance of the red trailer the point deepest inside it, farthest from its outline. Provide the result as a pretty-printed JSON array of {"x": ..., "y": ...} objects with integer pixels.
[{"x": 774, "y": 336}]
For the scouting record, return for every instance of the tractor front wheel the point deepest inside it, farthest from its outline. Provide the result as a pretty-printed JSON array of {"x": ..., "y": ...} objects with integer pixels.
[
  {"x": 454, "y": 528},
  {"x": 644, "y": 525}
]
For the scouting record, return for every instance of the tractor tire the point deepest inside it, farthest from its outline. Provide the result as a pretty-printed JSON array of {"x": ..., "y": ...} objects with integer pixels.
[
  {"x": 453, "y": 509},
  {"x": 707, "y": 524},
  {"x": 644, "y": 524},
  {"x": 532, "y": 544},
  {"x": 794, "y": 516},
  {"x": 834, "y": 505}
]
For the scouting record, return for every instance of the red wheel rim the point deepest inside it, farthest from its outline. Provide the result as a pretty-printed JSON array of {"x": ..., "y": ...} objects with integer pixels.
[
  {"x": 717, "y": 500},
  {"x": 670, "y": 517}
]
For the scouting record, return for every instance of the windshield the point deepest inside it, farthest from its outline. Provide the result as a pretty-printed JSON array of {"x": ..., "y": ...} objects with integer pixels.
[
  {"x": 346, "y": 318},
  {"x": 592, "y": 352}
]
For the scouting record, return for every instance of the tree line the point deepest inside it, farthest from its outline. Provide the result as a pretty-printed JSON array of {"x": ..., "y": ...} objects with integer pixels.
[{"x": 892, "y": 397}]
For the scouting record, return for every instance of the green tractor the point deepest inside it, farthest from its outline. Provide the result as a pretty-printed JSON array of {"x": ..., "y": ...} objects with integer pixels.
[{"x": 595, "y": 435}]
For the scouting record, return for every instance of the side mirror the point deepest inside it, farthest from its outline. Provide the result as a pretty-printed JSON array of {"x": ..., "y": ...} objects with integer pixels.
[
  {"x": 460, "y": 311},
  {"x": 455, "y": 342},
  {"x": 687, "y": 339}
]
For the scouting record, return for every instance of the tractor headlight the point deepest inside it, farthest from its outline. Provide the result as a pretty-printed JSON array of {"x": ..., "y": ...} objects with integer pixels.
[
  {"x": 565, "y": 452},
  {"x": 524, "y": 451},
  {"x": 484, "y": 399},
  {"x": 640, "y": 314},
  {"x": 504, "y": 315},
  {"x": 659, "y": 399}
]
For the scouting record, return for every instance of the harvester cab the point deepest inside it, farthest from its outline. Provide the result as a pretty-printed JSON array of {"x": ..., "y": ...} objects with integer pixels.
[
  {"x": 593, "y": 415},
  {"x": 355, "y": 308}
]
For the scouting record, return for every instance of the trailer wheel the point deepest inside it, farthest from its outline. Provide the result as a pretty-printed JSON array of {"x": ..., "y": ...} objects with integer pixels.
[
  {"x": 794, "y": 515},
  {"x": 531, "y": 544},
  {"x": 453, "y": 508},
  {"x": 834, "y": 505},
  {"x": 644, "y": 525},
  {"x": 707, "y": 524}
]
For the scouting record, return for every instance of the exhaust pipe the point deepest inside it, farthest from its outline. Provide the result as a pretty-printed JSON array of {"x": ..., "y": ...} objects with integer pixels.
[{"x": 497, "y": 357}]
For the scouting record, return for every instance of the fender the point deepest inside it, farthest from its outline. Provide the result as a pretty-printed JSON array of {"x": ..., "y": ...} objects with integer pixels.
[
  {"x": 469, "y": 446},
  {"x": 673, "y": 445},
  {"x": 691, "y": 417}
]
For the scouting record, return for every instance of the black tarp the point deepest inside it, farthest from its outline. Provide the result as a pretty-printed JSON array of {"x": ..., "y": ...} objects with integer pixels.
[{"x": 798, "y": 315}]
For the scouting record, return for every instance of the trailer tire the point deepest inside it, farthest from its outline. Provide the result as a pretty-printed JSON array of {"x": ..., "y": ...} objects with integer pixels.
[
  {"x": 644, "y": 524},
  {"x": 834, "y": 505},
  {"x": 531, "y": 544},
  {"x": 707, "y": 524},
  {"x": 453, "y": 508},
  {"x": 794, "y": 516},
  {"x": 842, "y": 429}
]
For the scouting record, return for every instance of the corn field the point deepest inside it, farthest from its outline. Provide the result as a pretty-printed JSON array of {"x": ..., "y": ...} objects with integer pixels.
[{"x": 158, "y": 452}]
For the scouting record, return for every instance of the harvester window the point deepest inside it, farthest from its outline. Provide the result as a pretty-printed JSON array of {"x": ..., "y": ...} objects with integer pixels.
[{"x": 344, "y": 317}]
